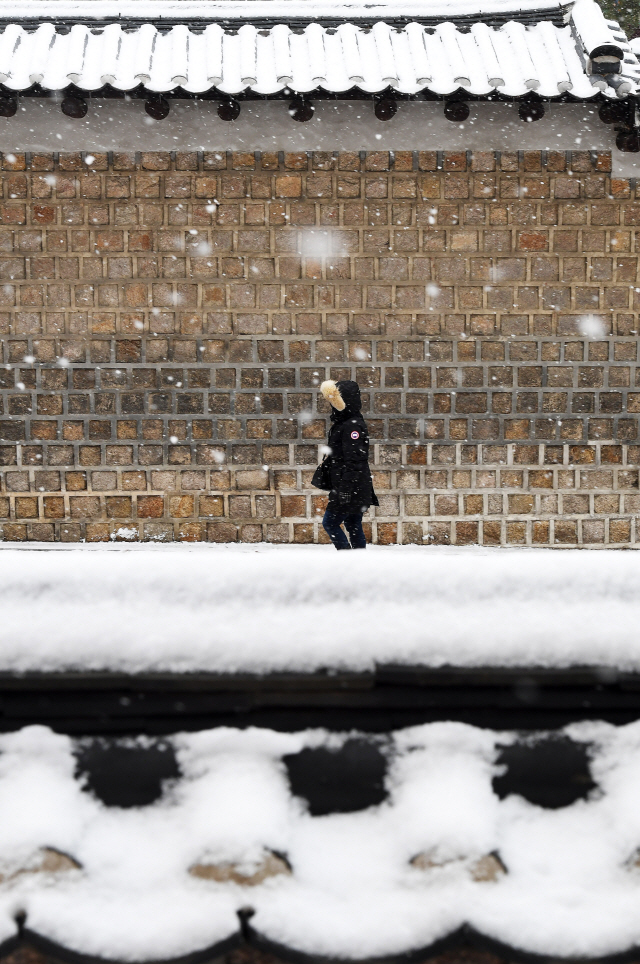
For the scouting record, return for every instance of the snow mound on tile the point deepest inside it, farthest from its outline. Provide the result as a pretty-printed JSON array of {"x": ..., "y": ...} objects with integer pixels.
[{"x": 569, "y": 889}]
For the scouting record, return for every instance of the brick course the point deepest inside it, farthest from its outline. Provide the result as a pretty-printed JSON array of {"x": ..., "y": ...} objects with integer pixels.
[{"x": 166, "y": 319}]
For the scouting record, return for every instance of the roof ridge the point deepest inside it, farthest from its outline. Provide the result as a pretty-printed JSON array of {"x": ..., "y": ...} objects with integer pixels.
[{"x": 309, "y": 10}]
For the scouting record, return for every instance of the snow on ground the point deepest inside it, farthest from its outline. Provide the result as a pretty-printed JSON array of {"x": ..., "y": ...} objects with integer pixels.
[
  {"x": 260, "y": 609},
  {"x": 570, "y": 887}
]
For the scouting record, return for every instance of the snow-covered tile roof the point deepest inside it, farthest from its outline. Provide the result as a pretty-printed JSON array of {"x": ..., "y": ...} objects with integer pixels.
[
  {"x": 334, "y": 846},
  {"x": 271, "y": 46}
]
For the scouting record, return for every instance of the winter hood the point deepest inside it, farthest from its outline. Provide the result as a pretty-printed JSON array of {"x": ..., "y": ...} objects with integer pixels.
[{"x": 342, "y": 395}]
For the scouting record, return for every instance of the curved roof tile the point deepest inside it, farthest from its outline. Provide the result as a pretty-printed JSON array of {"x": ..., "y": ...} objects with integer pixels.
[{"x": 515, "y": 58}]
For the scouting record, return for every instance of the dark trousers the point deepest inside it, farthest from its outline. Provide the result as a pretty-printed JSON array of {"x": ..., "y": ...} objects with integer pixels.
[{"x": 352, "y": 518}]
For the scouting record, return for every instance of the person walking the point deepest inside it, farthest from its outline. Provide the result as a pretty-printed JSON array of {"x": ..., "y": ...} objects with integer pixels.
[{"x": 344, "y": 472}]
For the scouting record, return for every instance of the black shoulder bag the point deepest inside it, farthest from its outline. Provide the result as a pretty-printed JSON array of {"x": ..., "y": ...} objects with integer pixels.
[{"x": 322, "y": 475}]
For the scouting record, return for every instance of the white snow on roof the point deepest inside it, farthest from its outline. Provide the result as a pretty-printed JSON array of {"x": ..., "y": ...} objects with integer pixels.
[
  {"x": 228, "y": 609},
  {"x": 514, "y": 59},
  {"x": 571, "y": 887},
  {"x": 190, "y": 10}
]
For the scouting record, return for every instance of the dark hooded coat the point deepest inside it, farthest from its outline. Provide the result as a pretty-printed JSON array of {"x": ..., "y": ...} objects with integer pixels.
[{"x": 349, "y": 444}]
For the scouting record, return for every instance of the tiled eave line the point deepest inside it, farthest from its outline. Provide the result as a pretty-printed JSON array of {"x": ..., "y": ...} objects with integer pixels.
[
  {"x": 464, "y": 937},
  {"x": 63, "y": 24},
  {"x": 320, "y": 94},
  {"x": 376, "y": 701},
  {"x": 197, "y": 14}
]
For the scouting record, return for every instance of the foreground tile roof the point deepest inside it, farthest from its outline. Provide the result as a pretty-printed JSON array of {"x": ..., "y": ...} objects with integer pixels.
[
  {"x": 287, "y": 45},
  {"x": 319, "y": 845}
]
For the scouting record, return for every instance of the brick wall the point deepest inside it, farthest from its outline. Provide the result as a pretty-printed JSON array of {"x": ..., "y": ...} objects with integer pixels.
[{"x": 165, "y": 321}]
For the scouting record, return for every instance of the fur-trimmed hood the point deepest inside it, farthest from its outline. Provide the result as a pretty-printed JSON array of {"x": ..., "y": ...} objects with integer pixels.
[
  {"x": 332, "y": 394},
  {"x": 343, "y": 395}
]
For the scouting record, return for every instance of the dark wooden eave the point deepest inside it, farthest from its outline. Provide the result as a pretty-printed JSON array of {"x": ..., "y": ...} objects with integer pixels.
[{"x": 388, "y": 698}]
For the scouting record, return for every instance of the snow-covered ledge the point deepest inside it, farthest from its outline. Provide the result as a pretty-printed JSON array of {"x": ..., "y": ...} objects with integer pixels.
[
  {"x": 337, "y": 125},
  {"x": 284, "y": 10},
  {"x": 261, "y": 609}
]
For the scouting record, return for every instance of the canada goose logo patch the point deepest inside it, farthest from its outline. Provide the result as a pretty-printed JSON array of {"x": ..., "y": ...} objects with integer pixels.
[{"x": 355, "y": 435}]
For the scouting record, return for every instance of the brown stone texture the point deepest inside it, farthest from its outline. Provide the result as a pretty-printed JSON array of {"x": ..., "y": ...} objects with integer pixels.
[{"x": 166, "y": 320}]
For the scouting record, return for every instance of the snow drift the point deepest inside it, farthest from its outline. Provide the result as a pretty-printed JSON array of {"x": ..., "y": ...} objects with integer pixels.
[{"x": 232, "y": 609}]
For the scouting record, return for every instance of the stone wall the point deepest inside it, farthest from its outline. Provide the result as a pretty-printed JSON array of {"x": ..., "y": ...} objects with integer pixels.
[{"x": 165, "y": 321}]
